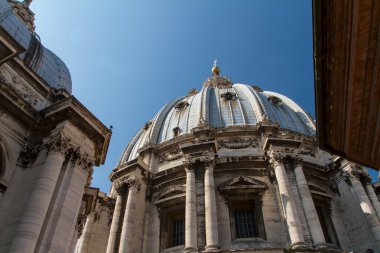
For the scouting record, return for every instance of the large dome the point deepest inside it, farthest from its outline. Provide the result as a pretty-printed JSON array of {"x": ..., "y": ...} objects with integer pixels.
[{"x": 220, "y": 104}]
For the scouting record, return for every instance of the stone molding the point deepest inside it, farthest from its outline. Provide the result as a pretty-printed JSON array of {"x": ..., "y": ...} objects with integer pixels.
[
  {"x": 238, "y": 143},
  {"x": 171, "y": 155}
]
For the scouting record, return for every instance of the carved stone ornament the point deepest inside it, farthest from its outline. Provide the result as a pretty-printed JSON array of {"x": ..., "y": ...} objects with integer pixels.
[
  {"x": 120, "y": 187},
  {"x": 82, "y": 160},
  {"x": 13, "y": 82},
  {"x": 237, "y": 143},
  {"x": 126, "y": 183},
  {"x": 171, "y": 155},
  {"x": 182, "y": 105},
  {"x": 148, "y": 125},
  {"x": 133, "y": 183},
  {"x": 192, "y": 92},
  {"x": 358, "y": 172},
  {"x": 219, "y": 82},
  {"x": 228, "y": 96},
  {"x": 276, "y": 158},
  {"x": 27, "y": 155},
  {"x": 58, "y": 143},
  {"x": 80, "y": 224}
]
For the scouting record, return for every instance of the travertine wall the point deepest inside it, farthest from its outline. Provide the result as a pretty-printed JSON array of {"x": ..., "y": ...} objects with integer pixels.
[{"x": 285, "y": 181}]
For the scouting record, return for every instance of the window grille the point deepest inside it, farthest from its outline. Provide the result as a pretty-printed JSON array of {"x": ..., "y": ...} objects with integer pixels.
[
  {"x": 245, "y": 223},
  {"x": 178, "y": 232}
]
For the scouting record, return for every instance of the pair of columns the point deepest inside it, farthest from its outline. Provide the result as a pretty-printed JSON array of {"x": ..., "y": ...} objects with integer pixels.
[
  {"x": 369, "y": 205},
  {"x": 212, "y": 243},
  {"x": 291, "y": 216},
  {"x": 127, "y": 194},
  {"x": 31, "y": 223}
]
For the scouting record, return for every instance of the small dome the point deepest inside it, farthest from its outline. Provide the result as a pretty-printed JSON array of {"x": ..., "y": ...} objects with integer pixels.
[
  {"x": 220, "y": 107},
  {"x": 41, "y": 60}
]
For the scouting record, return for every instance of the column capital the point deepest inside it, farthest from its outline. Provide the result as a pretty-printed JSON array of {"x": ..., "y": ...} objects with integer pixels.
[
  {"x": 357, "y": 172},
  {"x": 296, "y": 160},
  {"x": 133, "y": 183},
  {"x": 276, "y": 158},
  {"x": 82, "y": 160},
  {"x": 120, "y": 187},
  {"x": 57, "y": 143},
  {"x": 28, "y": 154}
]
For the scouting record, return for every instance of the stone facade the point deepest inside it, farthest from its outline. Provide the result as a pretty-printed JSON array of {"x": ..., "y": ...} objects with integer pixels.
[
  {"x": 228, "y": 168},
  {"x": 262, "y": 186},
  {"x": 49, "y": 142}
]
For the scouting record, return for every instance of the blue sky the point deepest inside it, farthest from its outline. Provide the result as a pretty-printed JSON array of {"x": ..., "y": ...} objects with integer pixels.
[{"x": 128, "y": 58}]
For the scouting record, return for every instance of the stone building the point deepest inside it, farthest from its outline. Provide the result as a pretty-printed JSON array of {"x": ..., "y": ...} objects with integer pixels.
[
  {"x": 226, "y": 168},
  {"x": 49, "y": 142},
  {"x": 230, "y": 168}
]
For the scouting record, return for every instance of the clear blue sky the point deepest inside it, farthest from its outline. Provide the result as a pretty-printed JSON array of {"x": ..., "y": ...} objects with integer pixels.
[{"x": 128, "y": 58}]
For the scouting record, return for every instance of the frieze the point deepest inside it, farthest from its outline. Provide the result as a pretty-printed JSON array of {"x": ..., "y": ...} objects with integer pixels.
[
  {"x": 18, "y": 85},
  {"x": 171, "y": 155},
  {"x": 238, "y": 143}
]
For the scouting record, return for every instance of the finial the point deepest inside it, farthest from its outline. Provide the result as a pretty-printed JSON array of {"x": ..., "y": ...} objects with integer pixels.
[
  {"x": 215, "y": 69},
  {"x": 27, "y": 2}
]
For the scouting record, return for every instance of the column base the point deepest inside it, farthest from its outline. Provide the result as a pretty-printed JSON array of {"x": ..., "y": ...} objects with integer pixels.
[
  {"x": 190, "y": 250},
  {"x": 211, "y": 248},
  {"x": 324, "y": 246},
  {"x": 299, "y": 245}
]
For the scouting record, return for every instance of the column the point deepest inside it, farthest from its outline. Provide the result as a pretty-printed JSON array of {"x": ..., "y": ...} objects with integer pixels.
[
  {"x": 86, "y": 236},
  {"x": 31, "y": 223},
  {"x": 190, "y": 213},
  {"x": 373, "y": 198},
  {"x": 295, "y": 232},
  {"x": 126, "y": 238},
  {"x": 212, "y": 242},
  {"x": 67, "y": 204},
  {"x": 309, "y": 207},
  {"x": 366, "y": 207},
  {"x": 111, "y": 245}
]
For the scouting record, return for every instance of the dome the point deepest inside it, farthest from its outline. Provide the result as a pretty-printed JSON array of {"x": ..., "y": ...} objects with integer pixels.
[
  {"x": 220, "y": 105},
  {"x": 42, "y": 61}
]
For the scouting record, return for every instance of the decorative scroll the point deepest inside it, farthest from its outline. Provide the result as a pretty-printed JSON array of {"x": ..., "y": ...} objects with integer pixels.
[
  {"x": 171, "y": 155},
  {"x": 237, "y": 143}
]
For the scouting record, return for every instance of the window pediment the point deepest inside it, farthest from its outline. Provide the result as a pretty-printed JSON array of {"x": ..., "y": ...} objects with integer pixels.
[{"x": 242, "y": 183}]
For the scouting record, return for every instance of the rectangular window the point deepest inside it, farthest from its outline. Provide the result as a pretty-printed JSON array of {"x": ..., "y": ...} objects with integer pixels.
[
  {"x": 178, "y": 237},
  {"x": 245, "y": 223}
]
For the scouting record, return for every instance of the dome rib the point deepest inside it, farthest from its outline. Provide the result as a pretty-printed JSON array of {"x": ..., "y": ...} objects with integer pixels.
[{"x": 240, "y": 105}]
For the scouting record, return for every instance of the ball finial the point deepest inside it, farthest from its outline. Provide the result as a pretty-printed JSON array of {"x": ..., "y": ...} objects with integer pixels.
[{"x": 215, "y": 69}]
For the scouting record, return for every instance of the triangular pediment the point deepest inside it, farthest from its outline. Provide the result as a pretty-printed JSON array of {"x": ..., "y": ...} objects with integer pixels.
[{"x": 242, "y": 182}]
